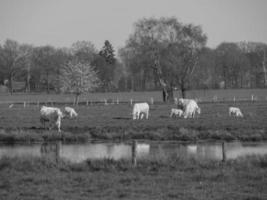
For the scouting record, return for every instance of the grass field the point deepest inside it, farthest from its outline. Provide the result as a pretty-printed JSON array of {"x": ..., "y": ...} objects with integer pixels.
[
  {"x": 172, "y": 178},
  {"x": 114, "y": 122},
  {"x": 39, "y": 178}
]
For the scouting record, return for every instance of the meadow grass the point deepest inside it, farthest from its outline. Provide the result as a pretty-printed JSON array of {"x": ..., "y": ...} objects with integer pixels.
[
  {"x": 175, "y": 178},
  {"x": 113, "y": 122}
]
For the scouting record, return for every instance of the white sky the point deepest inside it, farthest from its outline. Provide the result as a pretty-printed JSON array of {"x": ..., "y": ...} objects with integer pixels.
[{"x": 63, "y": 22}]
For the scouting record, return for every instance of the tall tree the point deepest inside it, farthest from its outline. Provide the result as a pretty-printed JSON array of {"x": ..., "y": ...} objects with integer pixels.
[
  {"x": 45, "y": 58},
  {"x": 170, "y": 48},
  {"x": 107, "y": 52},
  {"x": 232, "y": 64},
  {"x": 205, "y": 76},
  {"x": 78, "y": 78},
  {"x": 27, "y": 65},
  {"x": 105, "y": 64},
  {"x": 12, "y": 55},
  {"x": 84, "y": 51}
]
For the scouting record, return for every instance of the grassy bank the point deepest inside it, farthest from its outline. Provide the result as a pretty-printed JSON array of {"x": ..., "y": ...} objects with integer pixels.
[
  {"x": 139, "y": 133},
  {"x": 113, "y": 122},
  {"x": 175, "y": 178}
]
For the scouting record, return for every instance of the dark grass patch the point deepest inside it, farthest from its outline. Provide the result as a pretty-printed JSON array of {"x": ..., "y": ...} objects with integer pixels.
[{"x": 176, "y": 177}]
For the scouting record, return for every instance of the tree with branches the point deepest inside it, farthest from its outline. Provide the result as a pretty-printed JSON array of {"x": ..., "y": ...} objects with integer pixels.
[
  {"x": 170, "y": 48},
  {"x": 12, "y": 55},
  {"x": 78, "y": 78}
]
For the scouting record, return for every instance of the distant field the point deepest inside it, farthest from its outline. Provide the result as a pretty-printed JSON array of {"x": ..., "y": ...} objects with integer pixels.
[{"x": 202, "y": 95}]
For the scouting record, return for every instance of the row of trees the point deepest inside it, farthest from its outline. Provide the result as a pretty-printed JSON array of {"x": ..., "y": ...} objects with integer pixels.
[
  {"x": 160, "y": 53},
  {"x": 28, "y": 68}
]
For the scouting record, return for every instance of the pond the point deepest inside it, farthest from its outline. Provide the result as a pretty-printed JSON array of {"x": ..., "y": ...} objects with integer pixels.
[{"x": 143, "y": 150}]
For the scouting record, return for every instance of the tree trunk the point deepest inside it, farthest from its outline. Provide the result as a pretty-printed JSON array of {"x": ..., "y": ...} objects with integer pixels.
[
  {"x": 183, "y": 91},
  {"x": 47, "y": 83},
  {"x": 76, "y": 99},
  {"x": 11, "y": 84},
  {"x": 167, "y": 94},
  {"x": 170, "y": 94},
  {"x": 28, "y": 88}
]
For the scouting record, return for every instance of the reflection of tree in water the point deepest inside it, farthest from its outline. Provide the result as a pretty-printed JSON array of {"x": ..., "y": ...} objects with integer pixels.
[{"x": 50, "y": 150}]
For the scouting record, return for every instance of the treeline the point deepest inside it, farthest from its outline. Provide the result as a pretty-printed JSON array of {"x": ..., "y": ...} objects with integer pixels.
[
  {"x": 28, "y": 68},
  {"x": 160, "y": 52}
]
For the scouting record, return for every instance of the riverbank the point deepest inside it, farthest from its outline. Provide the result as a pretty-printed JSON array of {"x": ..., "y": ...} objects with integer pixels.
[
  {"x": 174, "y": 178},
  {"x": 121, "y": 134},
  {"x": 113, "y": 122}
]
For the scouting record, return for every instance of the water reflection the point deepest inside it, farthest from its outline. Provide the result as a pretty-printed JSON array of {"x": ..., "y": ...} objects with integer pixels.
[{"x": 116, "y": 151}]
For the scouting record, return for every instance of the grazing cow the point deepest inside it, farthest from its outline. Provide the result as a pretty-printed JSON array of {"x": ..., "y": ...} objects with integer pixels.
[
  {"x": 176, "y": 112},
  {"x": 189, "y": 107},
  {"x": 234, "y": 111},
  {"x": 70, "y": 112},
  {"x": 52, "y": 115},
  {"x": 139, "y": 110}
]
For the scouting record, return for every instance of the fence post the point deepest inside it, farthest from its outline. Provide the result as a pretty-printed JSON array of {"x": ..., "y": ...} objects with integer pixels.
[
  {"x": 252, "y": 97},
  {"x": 152, "y": 100},
  {"x": 87, "y": 103},
  {"x": 58, "y": 144},
  {"x": 234, "y": 99},
  {"x": 134, "y": 160},
  {"x": 131, "y": 101},
  {"x": 38, "y": 104},
  {"x": 223, "y": 152},
  {"x": 118, "y": 101},
  {"x": 24, "y": 105}
]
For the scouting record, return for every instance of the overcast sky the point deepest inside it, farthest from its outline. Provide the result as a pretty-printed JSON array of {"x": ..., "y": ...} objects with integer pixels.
[{"x": 63, "y": 22}]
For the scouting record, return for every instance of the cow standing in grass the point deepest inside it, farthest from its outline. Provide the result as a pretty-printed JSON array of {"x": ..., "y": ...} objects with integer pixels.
[
  {"x": 140, "y": 110},
  {"x": 51, "y": 115},
  {"x": 176, "y": 112},
  {"x": 70, "y": 112},
  {"x": 236, "y": 112},
  {"x": 189, "y": 107}
]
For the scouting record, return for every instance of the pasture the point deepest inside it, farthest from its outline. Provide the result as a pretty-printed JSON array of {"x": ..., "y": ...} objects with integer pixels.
[
  {"x": 114, "y": 122},
  {"x": 173, "y": 178}
]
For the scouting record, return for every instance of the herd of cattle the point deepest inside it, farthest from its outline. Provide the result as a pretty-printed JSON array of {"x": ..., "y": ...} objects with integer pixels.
[{"x": 186, "y": 108}]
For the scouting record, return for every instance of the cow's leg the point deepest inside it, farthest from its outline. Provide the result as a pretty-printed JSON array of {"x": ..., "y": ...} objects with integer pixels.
[{"x": 138, "y": 115}]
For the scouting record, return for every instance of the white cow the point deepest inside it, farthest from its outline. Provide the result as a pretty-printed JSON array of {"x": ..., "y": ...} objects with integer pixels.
[
  {"x": 234, "y": 111},
  {"x": 52, "y": 115},
  {"x": 70, "y": 112},
  {"x": 190, "y": 107},
  {"x": 139, "y": 110},
  {"x": 176, "y": 112}
]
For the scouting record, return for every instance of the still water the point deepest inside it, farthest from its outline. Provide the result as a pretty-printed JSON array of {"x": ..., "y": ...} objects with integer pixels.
[{"x": 143, "y": 150}]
